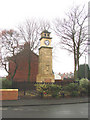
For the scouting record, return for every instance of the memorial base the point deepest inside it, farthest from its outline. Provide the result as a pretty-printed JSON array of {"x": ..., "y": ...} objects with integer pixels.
[{"x": 45, "y": 78}]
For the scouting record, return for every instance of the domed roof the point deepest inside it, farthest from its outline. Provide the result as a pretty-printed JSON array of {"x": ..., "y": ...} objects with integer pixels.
[{"x": 45, "y": 31}]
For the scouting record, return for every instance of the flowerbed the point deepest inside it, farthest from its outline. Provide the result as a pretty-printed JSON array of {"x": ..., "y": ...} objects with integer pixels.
[
  {"x": 76, "y": 89},
  {"x": 70, "y": 90}
]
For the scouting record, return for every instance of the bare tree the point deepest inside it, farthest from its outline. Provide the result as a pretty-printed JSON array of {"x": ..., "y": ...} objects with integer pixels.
[
  {"x": 72, "y": 32},
  {"x": 30, "y": 31},
  {"x": 9, "y": 48}
]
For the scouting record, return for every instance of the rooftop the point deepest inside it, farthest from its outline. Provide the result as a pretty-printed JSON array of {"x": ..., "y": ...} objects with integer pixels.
[{"x": 45, "y": 31}]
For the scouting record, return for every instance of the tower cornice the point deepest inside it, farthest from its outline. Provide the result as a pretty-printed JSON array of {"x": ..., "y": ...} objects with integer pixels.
[
  {"x": 45, "y": 38},
  {"x": 45, "y": 47}
]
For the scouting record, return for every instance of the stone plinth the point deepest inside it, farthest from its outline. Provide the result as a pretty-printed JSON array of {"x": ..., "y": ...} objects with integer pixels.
[{"x": 45, "y": 78}]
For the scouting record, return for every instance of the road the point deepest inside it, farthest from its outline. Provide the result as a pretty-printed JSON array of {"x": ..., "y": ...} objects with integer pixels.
[{"x": 51, "y": 111}]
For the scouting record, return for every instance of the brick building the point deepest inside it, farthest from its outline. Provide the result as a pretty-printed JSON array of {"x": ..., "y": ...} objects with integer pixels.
[{"x": 27, "y": 62}]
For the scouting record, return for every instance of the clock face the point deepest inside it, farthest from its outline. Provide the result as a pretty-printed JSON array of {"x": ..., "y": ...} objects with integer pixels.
[{"x": 46, "y": 42}]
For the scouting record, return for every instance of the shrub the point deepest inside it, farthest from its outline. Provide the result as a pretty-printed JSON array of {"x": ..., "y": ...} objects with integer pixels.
[
  {"x": 54, "y": 90},
  {"x": 42, "y": 89},
  {"x": 83, "y": 91},
  {"x": 72, "y": 89},
  {"x": 62, "y": 92},
  {"x": 84, "y": 83},
  {"x": 89, "y": 88},
  {"x": 6, "y": 84},
  {"x": 83, "y": 88},
  {"x": 45, "y": 89},
  {"x": 74, "y": 93}
]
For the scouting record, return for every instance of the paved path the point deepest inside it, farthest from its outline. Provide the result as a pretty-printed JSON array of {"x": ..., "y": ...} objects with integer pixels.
[{"x": 41, "y": 102}]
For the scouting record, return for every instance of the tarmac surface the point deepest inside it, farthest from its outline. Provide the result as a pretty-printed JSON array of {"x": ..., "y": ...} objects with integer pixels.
[
  {"x": 79, "y": 110},
  {"x": 42, "y": 102}
]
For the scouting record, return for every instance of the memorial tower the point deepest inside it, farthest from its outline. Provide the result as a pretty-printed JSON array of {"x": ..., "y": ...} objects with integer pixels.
[{"x": 45, "y": 73}]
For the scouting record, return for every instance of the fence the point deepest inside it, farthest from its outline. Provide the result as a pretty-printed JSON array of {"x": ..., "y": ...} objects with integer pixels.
[{"x": 31, "y": 85}]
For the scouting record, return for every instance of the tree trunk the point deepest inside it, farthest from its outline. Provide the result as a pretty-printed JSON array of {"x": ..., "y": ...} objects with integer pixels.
[
  {"x": 78, "y": 66},
  {"x": 75, "y": 60},
  {"x": 78, "y": 61},
  {"x": 75, "y": 70}
]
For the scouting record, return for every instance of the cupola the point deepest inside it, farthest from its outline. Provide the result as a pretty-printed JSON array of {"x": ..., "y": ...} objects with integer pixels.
[{"x": 45, "y": 34}]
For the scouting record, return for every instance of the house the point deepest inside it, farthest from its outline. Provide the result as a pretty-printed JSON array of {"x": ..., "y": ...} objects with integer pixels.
[
  {"x": 57, "y": 77},
  {"x": 66, "y": 75},
  {"x": 27, "y": 63}
]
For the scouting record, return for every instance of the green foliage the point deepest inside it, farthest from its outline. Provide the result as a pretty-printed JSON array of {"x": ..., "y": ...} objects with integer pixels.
[
  {"x": 74, "y": 93},
  {"x": 84, "y": 83},
  {"x": 6, "y": 84},
  {"x": 83, "y": 88},
  {"x": 83, "y": 71},
  {"x": 83, "y": 91},
  {"x": 89, "y": 74},
  {"x": 42, "y": 88},
  {"x": 45, "y": 89},
  {"x": 89, "y": 88},
  {"x": 54, "y": 90},
  {"x": 72, "y": 89}
]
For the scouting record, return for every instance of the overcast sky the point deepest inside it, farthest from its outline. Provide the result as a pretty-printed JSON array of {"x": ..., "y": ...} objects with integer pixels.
[{"x": 15, "y": 12}]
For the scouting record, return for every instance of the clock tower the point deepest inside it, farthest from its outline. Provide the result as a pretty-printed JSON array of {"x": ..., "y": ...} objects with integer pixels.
[{"x": 45, "y": 59}]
